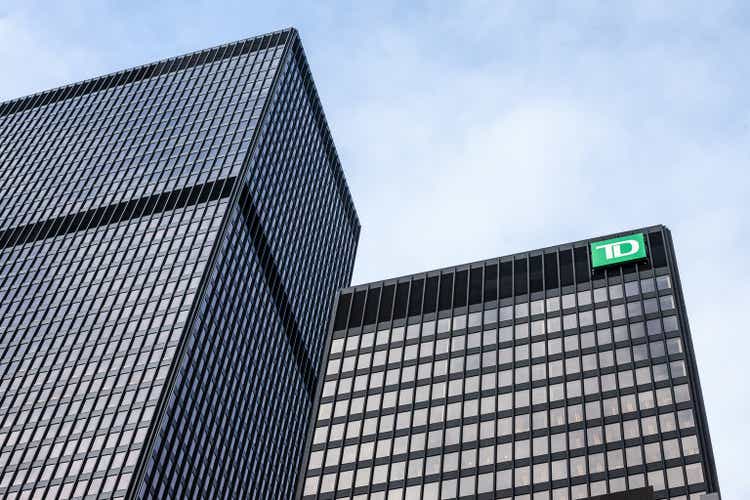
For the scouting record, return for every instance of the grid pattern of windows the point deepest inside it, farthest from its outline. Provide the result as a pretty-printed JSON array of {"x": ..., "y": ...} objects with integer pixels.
[
  {"x": 169, "y": 237},
  {"x": 289, "y": 244},
  {"x": 182, "y": 128},
  {"x": 565, "y": 393},
  {"x": 90, "y": 324}
]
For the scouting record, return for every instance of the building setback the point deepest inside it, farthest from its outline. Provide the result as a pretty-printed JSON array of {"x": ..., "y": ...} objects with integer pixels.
[
  {"x": 561, "y": 373},
  {"x": 170, "y": 239}
]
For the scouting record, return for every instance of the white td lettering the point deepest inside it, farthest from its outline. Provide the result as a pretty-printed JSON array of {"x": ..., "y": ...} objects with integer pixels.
[{"x": 615, "y": 251}]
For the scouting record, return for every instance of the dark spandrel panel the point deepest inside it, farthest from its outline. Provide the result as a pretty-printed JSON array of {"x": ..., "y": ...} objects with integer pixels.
[
  {"x": 520, "y": 276},
  {"x": 567, "y": 276},
  {"x": 430, "y": 294},
  {"x": 536, "y": 276},
  {"x": 475, "y": 285},
  {"x": 402, "y": 297},
  {"x": 611, "y": 273},
  {"x": 581, "y": 256},
  {"x": 490, "y": 283},
  {"x": 550, "y": 271},
  {"x": 342, "y": 311},
  {"x": 446, "y": 292},
  {"x": 371, "y": 309},
  {"x": 415, "y": 297},
  {"x": 460, "y": 288},
  {"x": 506, "y": 280},
  {"x": 358, "y": 308},
  {"x": 627, "y": 268},
  {"x": 386, "y": 302},
  {"x": 656, "y": 246},
  {"x": 598, "y": 273}
]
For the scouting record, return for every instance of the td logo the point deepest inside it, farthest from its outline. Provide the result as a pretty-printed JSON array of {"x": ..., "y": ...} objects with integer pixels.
[{"x": 617, "y": 250}]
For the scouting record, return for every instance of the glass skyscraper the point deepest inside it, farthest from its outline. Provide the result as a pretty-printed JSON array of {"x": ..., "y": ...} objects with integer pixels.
[
  {"x": 171, "y": 237},
  {"x": 561, "y": 373}
]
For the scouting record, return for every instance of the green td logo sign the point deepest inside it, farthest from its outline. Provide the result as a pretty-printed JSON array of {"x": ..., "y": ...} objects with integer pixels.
[{"x": 617, "y": 250}]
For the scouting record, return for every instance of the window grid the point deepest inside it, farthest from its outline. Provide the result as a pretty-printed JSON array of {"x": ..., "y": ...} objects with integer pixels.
[{"x": 638, "y": 353}]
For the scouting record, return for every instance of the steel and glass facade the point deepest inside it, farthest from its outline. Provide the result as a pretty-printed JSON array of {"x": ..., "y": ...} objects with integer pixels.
[
  {"x": 531, "y": 376},
  {"x": 170, "y": 240}
]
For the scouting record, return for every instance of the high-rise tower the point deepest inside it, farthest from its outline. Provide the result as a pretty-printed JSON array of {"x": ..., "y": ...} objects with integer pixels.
[
  {"x": 171, "y": 237},
  {"x": 561, "y": 373}
]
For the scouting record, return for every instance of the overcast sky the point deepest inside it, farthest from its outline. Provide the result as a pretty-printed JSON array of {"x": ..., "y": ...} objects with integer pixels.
[{"x": 496, "y": 127}]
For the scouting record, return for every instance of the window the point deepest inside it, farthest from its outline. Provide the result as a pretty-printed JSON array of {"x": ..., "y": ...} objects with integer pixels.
[
  {"x": 571, "y": 343},
  {"x": 522, "y": 423},
  {"x": 558, "y": 443},
  {"x": 521, "y": 449},
  {"x": 627, "y": 403},
  {"x": 650, "y": 306},
  {"x": 556, "y": 417},
  {"x": 587, "y": 340},
  {"x": 630, "y": 429},
  {"x": 504, "y": 453},
  {"x": 681, "y": 393},
  {"x": 572, "y": 365},
  {"x": 553, "y": 304},
  {"x": 522, "y": 476},
  {"x": 618, "y": 312},
  {"x": 541, "y": 473},
  {"x": 569, "y": 321},
  {"x": 503, "y": 480},
  {"x": 485, "y": 483},
  {"x": 596, "y": 463},
  {"x": 559, "y": 469},
  {"x": 678, "y": 369},
  {"x": 450, "y": 462},
  {"x": 577, "y": 466},
  {"x": 575, "y": 413},
  {"x": 694, "y": 473},
  {"x": 540, "y": 446},
  {"x": 594, "y": 435},
  {"x": 612, "y": 432},
  {"x": 449, "y": 489},
  {"x": 504, "y": 426},
  {"x": 633, "y": 456},
  {"x": 576, "y": 439},
  {"x": 539, "y": 419},
  {"x": 667, "y": 422},
  {"x": 675, "y": 478},
  {"x": 554, "y": 346},
  {"x": 593, "y": 410},
  {"x": 656, "y": 479},
  {"x": 671, "y": 449}
]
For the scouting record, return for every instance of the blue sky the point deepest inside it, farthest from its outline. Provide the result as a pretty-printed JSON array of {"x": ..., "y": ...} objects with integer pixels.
[{"x": 464, "y": 128}]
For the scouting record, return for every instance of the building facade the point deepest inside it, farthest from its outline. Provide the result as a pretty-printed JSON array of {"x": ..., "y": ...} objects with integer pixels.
[
  {"x": 170, "y": 239},
  {"x": 561, "y": 373}
]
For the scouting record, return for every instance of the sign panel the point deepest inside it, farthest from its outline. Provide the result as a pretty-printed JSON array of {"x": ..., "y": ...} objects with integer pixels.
[{"x": 618, "y": 250}]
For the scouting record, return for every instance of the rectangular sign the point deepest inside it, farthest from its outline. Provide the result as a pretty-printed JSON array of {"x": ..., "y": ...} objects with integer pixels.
[{"x": 618, "y": 250}]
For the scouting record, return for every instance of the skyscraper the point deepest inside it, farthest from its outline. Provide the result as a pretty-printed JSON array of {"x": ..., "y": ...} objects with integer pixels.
[
  {"x": 561, "y": 373},
  {"x": 171, "y": 237}
]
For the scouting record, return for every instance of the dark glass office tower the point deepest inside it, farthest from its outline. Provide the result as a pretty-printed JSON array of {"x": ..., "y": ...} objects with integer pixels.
[
  {"x": 171, "y": 237},
  {"x": 561, "y": 373}
]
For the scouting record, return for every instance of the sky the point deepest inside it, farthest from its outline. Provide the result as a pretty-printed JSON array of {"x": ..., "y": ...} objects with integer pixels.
[{"x": 478, "y": 129}]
